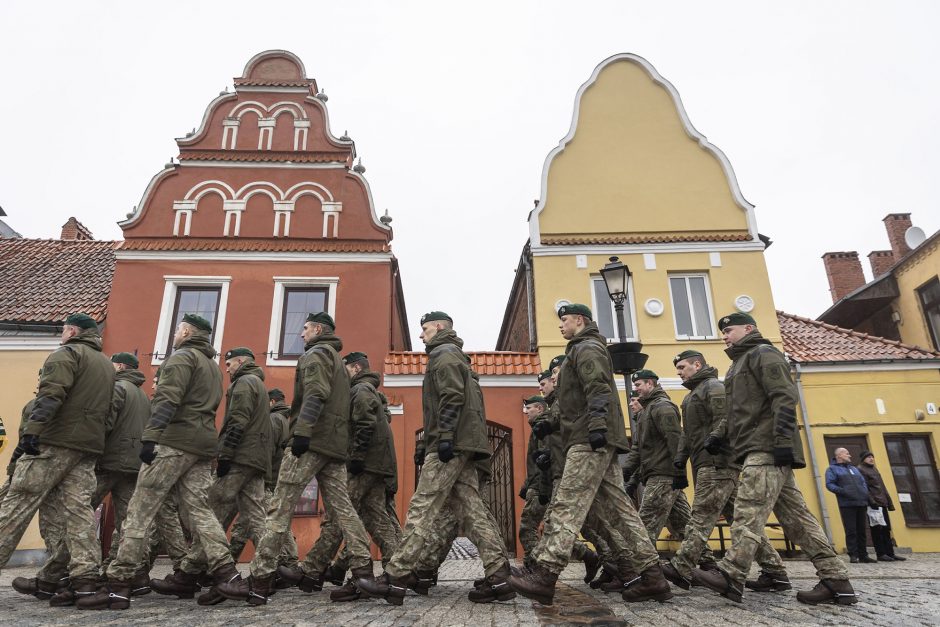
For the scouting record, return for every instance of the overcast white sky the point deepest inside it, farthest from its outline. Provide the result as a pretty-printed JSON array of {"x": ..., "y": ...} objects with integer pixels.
[{"x": 828, "y": 112}]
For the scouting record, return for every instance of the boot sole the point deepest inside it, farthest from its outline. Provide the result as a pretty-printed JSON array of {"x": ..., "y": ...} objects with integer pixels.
[
  {"x": 661, "y": 597},
  {"x": 838, "y": 601}
]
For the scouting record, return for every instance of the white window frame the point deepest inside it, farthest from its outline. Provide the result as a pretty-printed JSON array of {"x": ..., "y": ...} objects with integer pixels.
[
  {"x": 632, "y": 333},
  {"x": 170, "y": 289},
  {"x": 281, "y": 283},
  {"x": 708, "y": 298}
]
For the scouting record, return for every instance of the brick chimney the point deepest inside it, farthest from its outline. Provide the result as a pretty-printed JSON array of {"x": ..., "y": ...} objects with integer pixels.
[
  {"x": 881, "y": 261},
  {"x": 897, "y": 224},
  {"x": 75, "y": 230},
  {"x": 844, "y": 271}
]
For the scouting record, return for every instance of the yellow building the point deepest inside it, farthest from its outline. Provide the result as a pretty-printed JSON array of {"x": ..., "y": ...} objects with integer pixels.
[{"x": 634, "y": 179}]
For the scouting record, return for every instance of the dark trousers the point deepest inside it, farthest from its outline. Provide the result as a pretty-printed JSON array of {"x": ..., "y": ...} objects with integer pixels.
[
  {"x": 855, "y": 521},
  {"x": 881, "y": 536}
]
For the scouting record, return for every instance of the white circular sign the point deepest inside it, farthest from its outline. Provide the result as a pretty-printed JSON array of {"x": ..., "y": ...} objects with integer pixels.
[
  {"x": 561, "y": 303},
  {"x": 744, "y": 303},
  {"x": 654, "y": 307}
]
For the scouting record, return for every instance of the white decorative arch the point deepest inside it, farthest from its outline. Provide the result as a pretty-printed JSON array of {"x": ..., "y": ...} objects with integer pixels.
[
  {"x": 308, "y": 187},
  {"x": 249, "y": 190},
  {"x": 273, "y": 53},
  {"x": 249, "y": 105},
  {"x": 206, "y": 187}
]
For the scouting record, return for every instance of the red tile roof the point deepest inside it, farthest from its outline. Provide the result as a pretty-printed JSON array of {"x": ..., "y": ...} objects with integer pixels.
[
  {"x": 246, "y": 244},
  {"x": 278, "y": 156},
  {"x": 42, "y": 281},
  {"x": 275, "y": 82},
  {"x": 483, "y": 363},
  {"x": 647, "y": 238},
  {"x": 811, "y": 341}
]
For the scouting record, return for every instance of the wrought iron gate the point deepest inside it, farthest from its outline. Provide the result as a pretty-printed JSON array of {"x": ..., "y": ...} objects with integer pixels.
[{"x": 500, "y": 495}]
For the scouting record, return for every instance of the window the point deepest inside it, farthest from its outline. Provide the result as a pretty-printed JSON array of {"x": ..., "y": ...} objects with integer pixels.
[
  {"x": 298, "y": 302},
  {"x": 206, "y": 296},
  {"x": 307, "y": 503},
  {"x": 294, "y": 298},
  {"x": 202, "y": 301},
  {"x": 606, "y": 316},
  {"x": 691, "y": 306},
  {"x": 915, "y": 477},
  {"x": 930, "y": 300}
]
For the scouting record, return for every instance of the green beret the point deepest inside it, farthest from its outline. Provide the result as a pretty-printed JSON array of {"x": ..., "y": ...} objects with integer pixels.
[
  {"x": 127, "y": 359},
  {"x": 436, "y": 315},
  {"x": 198, "y": 321},
  {"x": 555, "y": 362},
  {"x": 275, "y": 394},
  {"x": 81, "y": 320},
  {"x": 545, "y": 374},
  {"x": 686, "y": 355},
  {"x": 535, "y": 399},
  {"x": 321, "y": 317},
  {"x": 735, "y": 319},
  {"x": 353, "y": 357},
  {"x": 644, "y": 374},
  {"x": 241, "y": 351},
  {"x": 575, "y": 309}
]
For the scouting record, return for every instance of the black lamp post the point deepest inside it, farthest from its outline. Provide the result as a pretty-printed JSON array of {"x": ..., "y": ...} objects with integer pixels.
[{"x": 626, "y": 356}]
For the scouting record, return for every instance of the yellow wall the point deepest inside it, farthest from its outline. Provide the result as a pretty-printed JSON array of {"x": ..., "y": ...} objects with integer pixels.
[
  {"x": 19, "y": 373},
  {"x": 912, "y": 275}
]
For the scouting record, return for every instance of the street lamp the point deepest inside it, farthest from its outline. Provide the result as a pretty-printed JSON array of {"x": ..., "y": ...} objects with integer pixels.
[{"x": 616, "y": 277}]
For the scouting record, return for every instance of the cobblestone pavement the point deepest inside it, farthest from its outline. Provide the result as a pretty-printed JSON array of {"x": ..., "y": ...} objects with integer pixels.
[{"x": 891, "y": 594}]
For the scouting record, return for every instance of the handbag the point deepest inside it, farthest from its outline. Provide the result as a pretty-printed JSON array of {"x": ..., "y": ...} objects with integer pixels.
[{"x": 876, "y": 518}]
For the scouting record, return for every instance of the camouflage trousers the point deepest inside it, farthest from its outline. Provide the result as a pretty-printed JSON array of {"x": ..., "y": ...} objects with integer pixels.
[
  {"x": 120, "y": 486},
  {"x": 592, "y": 485},
  {"x": 51, "y": 527},
  {"x": 367, "y": 493},
  {"x": 191, "y": 476},
  {"x": 532, "y": 514},
  {"x": 288, "y": 554},
  {"x": 240, "y": 491},
  {"x": 167, "y": 531},
  {"x": 528, "y": 529},
  {"x": 765, "y": 488},
  {"x": 715, "y": 490},
  {"x": 64, "y": 479},
  {"x": 455, "y": 485},
  {"x": 294, "y": 476}
]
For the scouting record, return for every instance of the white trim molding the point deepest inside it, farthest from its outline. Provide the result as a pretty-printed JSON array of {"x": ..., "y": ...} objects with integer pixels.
[
  {"x": 170, "y": 288},
  {"x": 235, "y": 255},
  {"x": 281, "y": 283},
  {"x": 868, "y": 366},
  {"x": 486, "y": 381},
  {"x": 30, "y": 342},
  {"x": 607, "y": 250}
]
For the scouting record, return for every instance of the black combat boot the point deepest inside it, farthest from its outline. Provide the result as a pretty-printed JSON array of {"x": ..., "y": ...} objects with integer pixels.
[
  {"x": 721, "y": 582},
  {"x": 829, "y": 591},
  {"x": 180, "y": 584},
  {"x": 592, "y": 564},
  {"x": 422, "y": 581},
  {"x": 768, "y": 582},
  {"x": 298, "y": 577},
  {"x": 223, "y": 574},
  {"x": 538, "y": 584},
  {"x": 335, "y": 575},
  {"x": 140, "y": 584},
  {"x": 672, "y": 573},
  {"x": 621, "y": 577},
  {"x": 495, "y": 587},
  {"x": 115, "y": 595},
  {"x": 651, "y": 586},
  {"x": 42, "y": 590},
  {"x": 77, "y": 589},
  {"x": 254, "y": 590},
  {"x": 347, "y": 592},
  {"x": 608, "y": 574},
  {"x": 392, "y": 589}
]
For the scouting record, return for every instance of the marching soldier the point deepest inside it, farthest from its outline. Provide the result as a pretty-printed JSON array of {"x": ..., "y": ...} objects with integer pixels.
[
  {"x": 536, "y": 490},
  {"x": 762, "y": 432},
  {"x": 454, "y": 437}
]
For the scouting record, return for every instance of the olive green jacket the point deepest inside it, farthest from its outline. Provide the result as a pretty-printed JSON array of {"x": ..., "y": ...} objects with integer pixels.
[
  {"x": 657, "y": 437},
  {"x": 280, "y": 437},
  {"x": 587, "y": 392},
  {"x": 321, "y": 397},
  {"x": 246, "y": 437},
  {"x": 130, "y": 410},
  {"x": 761, "y": 399},
  {"x": 391, "y": 480},
  {"x": 533, "y": 474},
  {"x": 703, "y": 414},
  {"x": 74, "y": 396},
  {"x": 18, "y": 451},
  {"x": 182, "y": 412},
  {"x": 372, "y": 437},
  {"x": 451, "y": 399},
  {"x": 556, "y": 444}
]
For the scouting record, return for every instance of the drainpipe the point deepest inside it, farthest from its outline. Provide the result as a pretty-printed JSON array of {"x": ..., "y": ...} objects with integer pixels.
[
  {"x": 812, "y": 454},
  {"x": 530, "y": 293}
]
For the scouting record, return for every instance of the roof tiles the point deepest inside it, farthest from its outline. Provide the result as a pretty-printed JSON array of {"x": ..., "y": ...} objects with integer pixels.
[
  {"x": 483, "y": 363},
  {"x": 265, "y": 156},
  {"x": 243, "y": 244}
]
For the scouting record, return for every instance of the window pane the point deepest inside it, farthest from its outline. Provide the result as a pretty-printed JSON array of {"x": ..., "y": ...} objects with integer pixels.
[
  {"x": 932, "y": 506},
  {"x": 297, "y": 304},
  {"x": 902, "y": 478},
  {"x": 910, "y": 512},
  {"x": 926, "y": 478},
  {"x": 202, "y": 302},
  {"x": 919, "y": 453},
  {"x": 680, "y": 305},
  {"x": 603, "y": 315},
  {"x": 895, "y": 451},
  {"x": 930, "y": 294},
  {"x": 703, "y": 324},
  {"x": 307, "y": 503},
  {"x": 628, "y": 318}
]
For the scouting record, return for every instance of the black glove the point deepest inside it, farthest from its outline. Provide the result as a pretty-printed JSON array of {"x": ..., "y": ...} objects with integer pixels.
[
  {"x": 299, "y": 445},
  {"x": 542, "y": 429},
  {"x": 544, "y": 498},
  {"x": 597, "y": 439},
  {"x": 627, "y": 473},
  {"x": 630, "y": 489},
  {"x": 713, "y": 444},
  {"x": 678, "y": 465},
  {"x": 522, "y": 492},
  {"x": 222, "y": 467},
  {"x": 356, "y": 466},
  {"x": 445, "y": 450},
  {"x": 147, "y": 454},
  {"x": 419, "y": 457},
  {"x": 30, "y": 444},
  {"x": 680, "y": 483},
  {"x": 783, "y": 456},
  {"x": 543, "y": 460}
]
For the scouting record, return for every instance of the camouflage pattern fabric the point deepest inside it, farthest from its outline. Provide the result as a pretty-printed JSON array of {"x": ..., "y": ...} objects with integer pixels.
[
  {"x": 288, "y": 554},
  {"x": 532, "y": 514},
  {"x": 764, "y": 488},
  {"x": 167, "y": 530}
]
